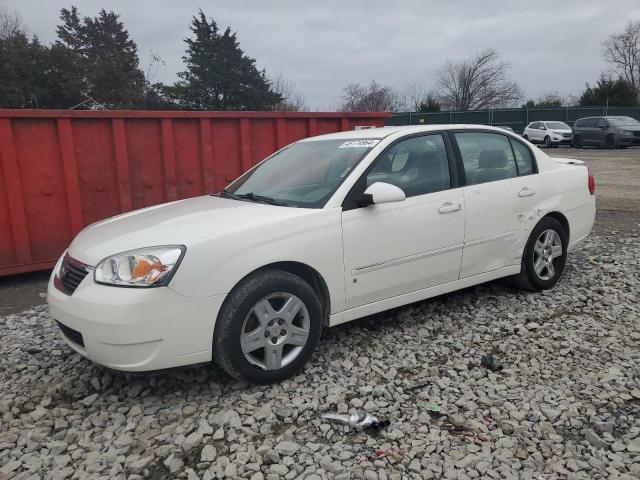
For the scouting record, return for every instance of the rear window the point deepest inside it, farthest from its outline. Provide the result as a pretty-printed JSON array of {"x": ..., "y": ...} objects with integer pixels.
[
  {"x": 524, "y": 160},
  {"x": 487, "y": 157}
]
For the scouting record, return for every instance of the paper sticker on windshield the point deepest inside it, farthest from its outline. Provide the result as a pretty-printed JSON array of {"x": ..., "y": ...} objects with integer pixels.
[{"x": 359, "y": 143}]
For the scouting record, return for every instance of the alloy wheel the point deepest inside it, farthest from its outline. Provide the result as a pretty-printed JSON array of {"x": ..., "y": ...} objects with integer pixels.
[
  {"x": 275, "y": 331},
  {"x": 547, "y": 249}
]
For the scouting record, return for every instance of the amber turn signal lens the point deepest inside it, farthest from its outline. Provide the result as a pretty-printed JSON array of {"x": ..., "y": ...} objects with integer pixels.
[{"x": 144, "y": 267}]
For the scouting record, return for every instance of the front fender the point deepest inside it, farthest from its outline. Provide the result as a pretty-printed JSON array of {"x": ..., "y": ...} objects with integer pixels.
[{"x": 215, "y": 266}]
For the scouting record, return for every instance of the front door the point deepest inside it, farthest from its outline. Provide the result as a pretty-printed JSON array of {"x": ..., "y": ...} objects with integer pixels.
[
  {"x": 397, "y": 248},
  {"x": 501, "y": 196}
]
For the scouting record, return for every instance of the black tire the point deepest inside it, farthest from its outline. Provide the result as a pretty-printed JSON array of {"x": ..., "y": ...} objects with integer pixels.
[
  {"x": 610, "y": 142},
  {"x": 547, "y": 142},
  {"x": 526, "y": 137},
  {"x": 528, "y": 278},
  {"x": 238, "y": 308},
  {"x": 577, "y": 142}
]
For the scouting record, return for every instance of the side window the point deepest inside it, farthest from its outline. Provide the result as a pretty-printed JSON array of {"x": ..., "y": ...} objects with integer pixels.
[
  {"x": 534, "y": 125},
  {"x": 579, "y": 123},
  {"x": 523, "y": 158},
  {"x": 602, "y": 123},
  {"x": 418, "y": 165},
  {"x": 487, "y": 157},
  {"x": 591, "y": 122}
]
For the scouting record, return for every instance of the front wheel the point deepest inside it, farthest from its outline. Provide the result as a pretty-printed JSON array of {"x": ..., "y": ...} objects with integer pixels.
[
  {"x": 547, "y": 142},
  {"x": 268, "y": 327},
  {"x": 610, "y": 142},
  {"x": 544, "y": 256}
]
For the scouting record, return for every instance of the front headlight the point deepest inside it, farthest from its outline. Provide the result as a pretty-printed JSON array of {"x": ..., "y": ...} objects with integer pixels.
[{"x": 144, "y": 267}]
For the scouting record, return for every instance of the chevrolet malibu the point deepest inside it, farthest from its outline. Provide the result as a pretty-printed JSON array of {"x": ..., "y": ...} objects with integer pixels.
[{"x": 324, "y": 231}]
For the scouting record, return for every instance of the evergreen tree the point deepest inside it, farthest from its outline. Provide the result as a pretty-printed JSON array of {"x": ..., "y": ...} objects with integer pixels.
[
  {"x": 107, "y": 57},
  {"x": 36, "y": 76},
  {"x": 429, "y": 104},
  {"x": 614, "y": 92},
  {"x": 218, "y": 75}
]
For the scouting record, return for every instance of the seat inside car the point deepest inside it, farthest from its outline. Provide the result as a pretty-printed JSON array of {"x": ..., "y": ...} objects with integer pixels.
[{"x": 492, "y": 165}]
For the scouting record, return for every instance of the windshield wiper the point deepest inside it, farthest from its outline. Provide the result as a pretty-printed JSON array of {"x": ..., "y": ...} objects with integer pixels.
[
  {"x": 227, "y": 193},
  {"x": 254, "y": 198},
  {"x": 261, "y": 199}
]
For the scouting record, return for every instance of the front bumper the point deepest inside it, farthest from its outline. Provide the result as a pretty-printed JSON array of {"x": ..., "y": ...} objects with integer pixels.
[
  {"x": 627, "y": 140},
  {"x": 562, "y": 140},
  {"x": 135, "y": 329}
]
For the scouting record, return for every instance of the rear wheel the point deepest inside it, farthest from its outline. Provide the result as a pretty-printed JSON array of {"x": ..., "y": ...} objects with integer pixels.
[
  {"x": 268, "y": 327},
  {"x": 577, "y": 142},
  {"x": 526, "y": 137},
  {"x": 544, "y": 256}
]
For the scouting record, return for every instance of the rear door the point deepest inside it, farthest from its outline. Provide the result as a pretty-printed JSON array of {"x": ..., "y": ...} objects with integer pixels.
[
  {"x": 501, "y": 194},
  {"x": 589, "y": 131},
  {"x": 397, "y": 248}
]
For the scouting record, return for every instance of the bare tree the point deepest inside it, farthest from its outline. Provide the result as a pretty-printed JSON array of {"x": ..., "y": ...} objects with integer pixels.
[
  {"x": 622, "y": 52},
  {"x": 415, "y": 94},
  {"x": 292, "y": 99},
  {"x": 370, "y": 98},
  {"x": 476, "y": 83},
  {"x": 10, "y": 23},
  {"x": 548, "y": 100}
]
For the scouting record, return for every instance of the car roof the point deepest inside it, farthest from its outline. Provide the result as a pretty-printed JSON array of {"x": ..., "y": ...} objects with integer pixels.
[{"x": 382, "y": 132}]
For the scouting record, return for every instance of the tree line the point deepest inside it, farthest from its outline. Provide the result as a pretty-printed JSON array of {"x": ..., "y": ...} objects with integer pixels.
[{"x": 94, "y": 64}]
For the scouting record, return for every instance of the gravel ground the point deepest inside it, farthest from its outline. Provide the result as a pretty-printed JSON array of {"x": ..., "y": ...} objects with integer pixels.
[{"x": 566, "y": 403}]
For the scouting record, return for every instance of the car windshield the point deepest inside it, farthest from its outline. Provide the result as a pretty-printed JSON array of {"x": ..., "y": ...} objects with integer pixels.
[
  {"x": 304, "y": 174},
  {"x": 623, "y": 122},
  {"x": 558, "y": 126}
]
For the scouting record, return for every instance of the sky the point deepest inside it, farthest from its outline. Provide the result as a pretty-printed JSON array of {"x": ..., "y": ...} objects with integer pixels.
[{"x": 322, "y": 46}]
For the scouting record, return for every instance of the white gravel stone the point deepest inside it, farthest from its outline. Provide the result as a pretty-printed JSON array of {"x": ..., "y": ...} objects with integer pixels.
[{"x": 565, "y": 403}]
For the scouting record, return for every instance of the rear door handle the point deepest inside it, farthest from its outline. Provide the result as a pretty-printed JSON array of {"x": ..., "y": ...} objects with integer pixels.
[
  {"x": 449, "y": 207},
  {"x": 526, "y": 192}
]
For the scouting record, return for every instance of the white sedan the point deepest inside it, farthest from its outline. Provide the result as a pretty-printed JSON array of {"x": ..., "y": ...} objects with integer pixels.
[{"x": 324, "y": 231}]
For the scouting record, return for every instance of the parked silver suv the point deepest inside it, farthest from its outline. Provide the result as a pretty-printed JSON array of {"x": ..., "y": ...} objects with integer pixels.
[{"x": 606, "y": 132}]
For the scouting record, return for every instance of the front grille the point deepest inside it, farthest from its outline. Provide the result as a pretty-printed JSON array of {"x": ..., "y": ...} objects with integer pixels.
[
  {"x": 566, "y": 135},
  {"x": 72, "y": 335},
  {"x": 71, "y": 273}
]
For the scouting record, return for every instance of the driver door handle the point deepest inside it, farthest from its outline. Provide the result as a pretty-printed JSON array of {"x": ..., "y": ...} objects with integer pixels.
[
  {"x": 449, "y": 207},
  {"x": 526, "y": 192}
]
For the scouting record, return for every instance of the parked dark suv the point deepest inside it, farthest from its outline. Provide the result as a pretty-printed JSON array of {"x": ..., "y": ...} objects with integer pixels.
[{"x": 609, "y": 132}]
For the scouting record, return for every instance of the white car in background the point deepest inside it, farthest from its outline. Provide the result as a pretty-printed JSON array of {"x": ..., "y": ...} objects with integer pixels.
[
  {"x": 324, "y": 231},
  {"x": 550, "y": 134}
]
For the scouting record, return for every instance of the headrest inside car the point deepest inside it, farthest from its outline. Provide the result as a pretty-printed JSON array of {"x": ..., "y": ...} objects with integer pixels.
[{"x": 492, "y": 158}]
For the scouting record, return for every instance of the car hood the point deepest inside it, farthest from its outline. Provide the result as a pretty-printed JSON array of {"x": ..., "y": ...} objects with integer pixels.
[
  {"x": 178, "y": 223},
  {"x": 630, "y": 128}
]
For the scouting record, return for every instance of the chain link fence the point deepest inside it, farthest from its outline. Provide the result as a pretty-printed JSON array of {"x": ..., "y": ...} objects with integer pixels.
[{"x": 516, "y": 118}]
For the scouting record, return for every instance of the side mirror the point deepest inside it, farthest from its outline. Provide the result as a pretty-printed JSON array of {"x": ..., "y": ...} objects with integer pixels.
[
  {"x": 381, "y": 192},
  {"x": 543, "y": 127}
]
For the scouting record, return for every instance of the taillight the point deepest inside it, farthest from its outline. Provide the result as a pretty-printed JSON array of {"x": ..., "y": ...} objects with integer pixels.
[{"x": 592, "y": 182}]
